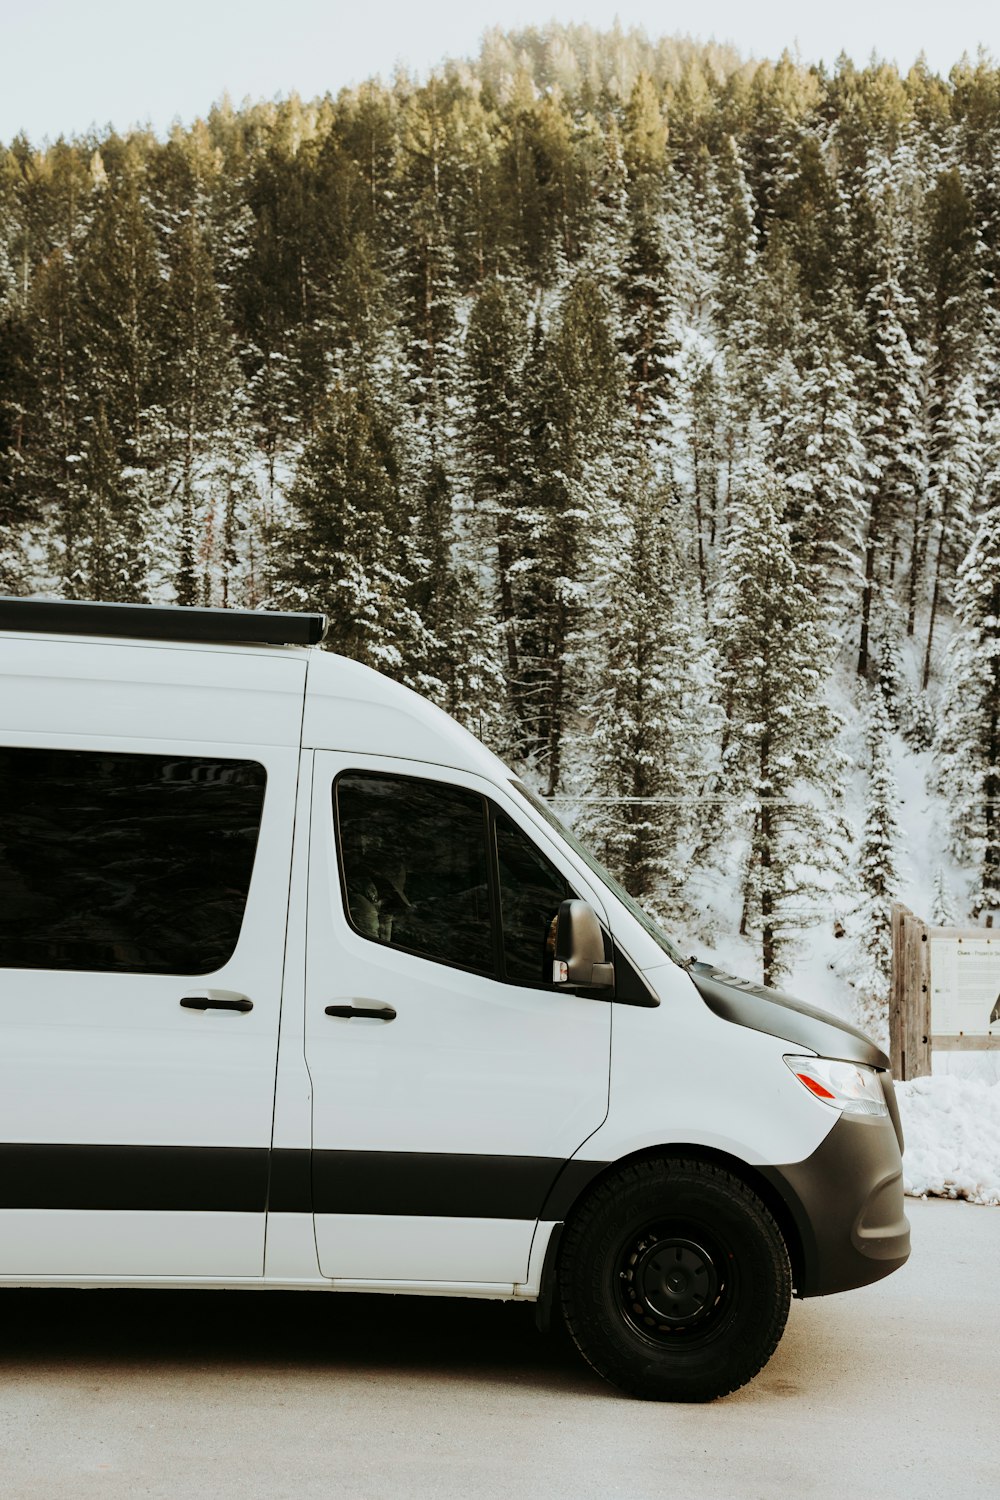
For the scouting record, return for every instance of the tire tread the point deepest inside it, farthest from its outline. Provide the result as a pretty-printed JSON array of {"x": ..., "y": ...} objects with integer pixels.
[{"x": 582, "y": 1314}]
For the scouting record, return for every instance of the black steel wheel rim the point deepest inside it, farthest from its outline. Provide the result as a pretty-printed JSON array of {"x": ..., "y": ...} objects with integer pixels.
[{"x": 675, "y": 1284}]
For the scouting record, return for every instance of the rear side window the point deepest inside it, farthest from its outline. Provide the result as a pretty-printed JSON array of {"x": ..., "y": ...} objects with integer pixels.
[{"x": 125, "y": 863}]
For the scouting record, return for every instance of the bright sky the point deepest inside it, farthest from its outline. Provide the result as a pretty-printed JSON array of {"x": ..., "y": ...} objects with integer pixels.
[{"x": 70, "y": 64}]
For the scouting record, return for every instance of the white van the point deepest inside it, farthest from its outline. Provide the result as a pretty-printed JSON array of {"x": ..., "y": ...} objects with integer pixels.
[{"x": 301, "y": 987}]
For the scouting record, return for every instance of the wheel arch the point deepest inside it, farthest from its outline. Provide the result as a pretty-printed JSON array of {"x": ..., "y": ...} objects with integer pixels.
[{"x": 571, "y": 1189}]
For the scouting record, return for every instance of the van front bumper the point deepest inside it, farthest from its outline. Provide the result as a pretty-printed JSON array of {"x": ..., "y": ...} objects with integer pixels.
[{"x": 846, "y": 1201}]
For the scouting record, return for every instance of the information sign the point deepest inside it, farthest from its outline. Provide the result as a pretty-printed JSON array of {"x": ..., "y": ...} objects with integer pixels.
[{"x": 965, "y": 986}]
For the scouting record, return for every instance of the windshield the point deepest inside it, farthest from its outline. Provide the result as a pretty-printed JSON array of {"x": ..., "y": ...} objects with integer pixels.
[{"x": 644, "y": 920}]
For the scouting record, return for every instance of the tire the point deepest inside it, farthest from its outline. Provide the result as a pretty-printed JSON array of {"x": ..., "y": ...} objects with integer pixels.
[{"x": 674, "y": 1281}]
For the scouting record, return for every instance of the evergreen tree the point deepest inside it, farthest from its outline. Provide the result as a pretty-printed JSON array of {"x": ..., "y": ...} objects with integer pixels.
[
  {"x": 575, "y": 423},
  {"x": 773, "y": 649},
  {"x": 737, "y": 244},
  {"x": 894, "y": 442},
  {"x": 825, "y": 466},
  {"x": 497, "y": 345},
  {"x": 344, "y": 549},
  {"x": 954, "y": 316},
  {"x": 942, "y": 902},
  {"x": 969, "y": 747},
  {"x": 458, "y": 661},
  {"x": 110, "y": 557},
  {"x": 878, "y": 879},
  {"x": 951, "y": 496},
  {"x": 653, "y": 720},
  {"x": 119, "y": 291},
  {"x": 196, "y": 384}
]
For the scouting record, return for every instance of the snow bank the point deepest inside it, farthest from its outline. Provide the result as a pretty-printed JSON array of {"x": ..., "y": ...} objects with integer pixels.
[{"x": 952, "y": 1132}]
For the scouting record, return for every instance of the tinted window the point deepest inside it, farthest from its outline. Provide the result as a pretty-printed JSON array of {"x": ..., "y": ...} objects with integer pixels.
[
  {"x": 531, "y": 892},
  {"x": 413, "y": 860},
  {"x": 124, "y": 863},
  {"x": 603, "y": 875}
]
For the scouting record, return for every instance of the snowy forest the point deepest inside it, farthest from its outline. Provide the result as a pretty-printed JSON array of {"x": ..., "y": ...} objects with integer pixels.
[{"x": 638, "y": 403}]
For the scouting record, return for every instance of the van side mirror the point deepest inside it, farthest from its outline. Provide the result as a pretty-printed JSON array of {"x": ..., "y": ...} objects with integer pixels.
[{"x": 579, "y": 956}]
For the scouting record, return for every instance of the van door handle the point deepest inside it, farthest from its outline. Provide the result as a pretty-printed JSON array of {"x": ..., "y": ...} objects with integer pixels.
[
  {"x": 217, "y": 1000},
  {"x": 369, "y": 1009}
]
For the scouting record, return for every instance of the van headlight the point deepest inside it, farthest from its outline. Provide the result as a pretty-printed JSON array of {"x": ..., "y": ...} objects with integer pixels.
[{"x": 842, "y": 1085}]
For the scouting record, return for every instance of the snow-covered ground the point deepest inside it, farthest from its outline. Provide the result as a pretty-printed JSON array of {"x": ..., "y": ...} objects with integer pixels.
[{"x": 952, "y": 1130}]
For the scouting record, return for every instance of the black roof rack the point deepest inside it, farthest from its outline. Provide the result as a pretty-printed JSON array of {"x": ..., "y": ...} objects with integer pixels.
[{"x": 162, "y": 622}]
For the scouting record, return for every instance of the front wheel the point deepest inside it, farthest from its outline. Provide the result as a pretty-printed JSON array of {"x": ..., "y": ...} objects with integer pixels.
[{"x": 674, "y": 1280}]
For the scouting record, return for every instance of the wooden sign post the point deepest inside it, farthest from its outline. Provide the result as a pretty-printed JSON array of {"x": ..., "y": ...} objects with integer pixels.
[{"x": 945, "y": 992}]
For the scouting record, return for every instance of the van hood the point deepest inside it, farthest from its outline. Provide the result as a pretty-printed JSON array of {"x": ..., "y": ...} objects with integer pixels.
[{"x": 748, "y": 1004}]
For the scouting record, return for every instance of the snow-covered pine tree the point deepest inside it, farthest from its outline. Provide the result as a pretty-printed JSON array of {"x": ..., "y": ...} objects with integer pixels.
[
  {"x": 344, "y": 548},
  {"x": 779, "y": 762},
  {"x": 653, "y": 719},
  {"x": 577, "y": 429},
  {"x": 702, "y": 433},
  {"x": 951, "y": 496},
  {"x": 19, "y": 511},
  {"x": 953, "y": 315},
  {"x": 643, "y": 255},
  {"x": 424, "y": 278},
  {"x": 497, "y": 462},
  {"x": 942, "y": 901},
  {"x": 119, "y": 280},
  {"x": 969, "y": 745},
  {"x": 111, "y": 559},
  {"x": 457, "y": 663},
  {"x": 53, "y": 428},
  {"x": 877, "y": 877},
  {"x": 824, "y": 459},
  {"x": 198, "y": 354},
  {"x": 736, "y": 263},
  {"x": 894, "y": 439}
]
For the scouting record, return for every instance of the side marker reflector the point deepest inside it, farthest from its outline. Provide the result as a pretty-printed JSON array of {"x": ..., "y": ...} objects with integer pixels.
[{"x": 815, "y": 1087}]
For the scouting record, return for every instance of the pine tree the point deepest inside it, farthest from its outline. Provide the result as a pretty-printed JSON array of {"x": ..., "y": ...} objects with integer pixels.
[
  {"x": 19, "y": 510},
  {"x": 196, "y": 384},
  {"x": 111, "y": 558},
  {"x": 425, "y": 273},
  {"x": 647, "y": 335},
  {"x": 53, "y": 423},
  {"x": 942, "y": 902},
  {"x": 496, "y": 351},
  {"x": 774, "y": 649},
  {"x": 951, "y": 495},
  {"x": 738, "y": 242},
  {"x": 969, "y": 747},
  {"x": 878, "y": 879},
  {"x": 653, "y": 719},
  {"x": 119, "y": 300},
  {"x": 702, "y": 435},
  {"x": 458, "y": 662},
  {"x": 894, "y": 441},
  {"x": 575, "y": 421},
  {"x": 344, "y": 549},
  {"x": 954, "y": 315},
  {"x": 824, "y": 465}
]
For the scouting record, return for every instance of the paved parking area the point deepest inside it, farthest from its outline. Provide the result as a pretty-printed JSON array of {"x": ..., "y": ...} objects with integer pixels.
[{"x": 892, "y": 1393}]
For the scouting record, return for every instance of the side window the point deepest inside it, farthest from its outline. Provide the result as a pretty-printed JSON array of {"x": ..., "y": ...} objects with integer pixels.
[
  {"x": 531, "y": 892},
  {"x": 134, "y": 864},
  {"x": 414, "y": 867}
]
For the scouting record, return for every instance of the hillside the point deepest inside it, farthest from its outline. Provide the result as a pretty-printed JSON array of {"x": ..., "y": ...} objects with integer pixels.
[{"x": 638, "y": 403}]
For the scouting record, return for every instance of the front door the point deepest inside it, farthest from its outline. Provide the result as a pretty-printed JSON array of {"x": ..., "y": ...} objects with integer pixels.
[{"x": 451, "y": 1080}]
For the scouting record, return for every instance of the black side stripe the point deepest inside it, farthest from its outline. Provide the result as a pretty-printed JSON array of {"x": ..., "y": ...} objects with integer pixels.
[
  {"x": 178, "y": 1178},
  {"x": 235, "y": 1180},
  {"x": 437, "y": 1185}
]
